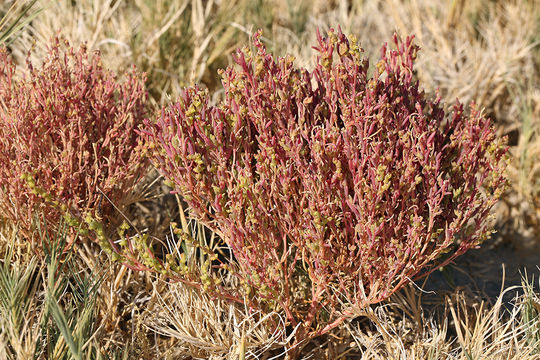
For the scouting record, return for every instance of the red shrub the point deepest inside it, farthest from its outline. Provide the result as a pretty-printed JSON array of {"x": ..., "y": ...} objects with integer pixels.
[
  {"x": 333, "y": 188},
  {"x": 67, "y": 129}
]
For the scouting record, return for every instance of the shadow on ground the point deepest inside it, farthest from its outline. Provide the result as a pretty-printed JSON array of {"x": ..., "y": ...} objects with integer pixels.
[{"x": 480, "y": 271}]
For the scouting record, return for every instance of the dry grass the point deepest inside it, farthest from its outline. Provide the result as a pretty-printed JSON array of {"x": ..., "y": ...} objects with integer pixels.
[
  {"x": 137, "y": 315},
  {"x": 523, "y": 203},
  {"x": 14, "y": 16},
  {"x": 465, "y": 329},
  {"x": 175, "y": 42},
  {"x": 461, "y": 327},
  {"x": 46, "y": 305},
  {"x": 213, "y": 329}
]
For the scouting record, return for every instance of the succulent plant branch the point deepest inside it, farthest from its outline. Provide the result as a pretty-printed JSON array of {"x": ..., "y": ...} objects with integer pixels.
[
  {"x": 323, "y": 180},
  {"x": 67, "y": 129}
]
